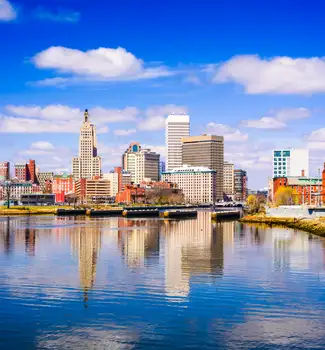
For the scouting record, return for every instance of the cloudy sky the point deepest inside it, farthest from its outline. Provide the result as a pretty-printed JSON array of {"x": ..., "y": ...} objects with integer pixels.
[{"x": 253, "y": 71}]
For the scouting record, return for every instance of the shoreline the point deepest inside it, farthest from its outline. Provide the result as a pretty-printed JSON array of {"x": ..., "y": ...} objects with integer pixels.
[{"x": 314, "y": 226}]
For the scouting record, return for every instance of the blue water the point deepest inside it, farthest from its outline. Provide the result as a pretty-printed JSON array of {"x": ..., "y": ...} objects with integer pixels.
[{"x": 116, "y": 283}]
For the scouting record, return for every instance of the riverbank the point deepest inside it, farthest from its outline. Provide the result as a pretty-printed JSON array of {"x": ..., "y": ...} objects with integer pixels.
[{"x": 315, "y": 226}]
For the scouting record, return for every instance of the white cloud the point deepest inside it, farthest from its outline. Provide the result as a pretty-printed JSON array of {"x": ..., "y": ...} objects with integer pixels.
[
  {"x": 39, "y": 148},
  {"x": 7, "y": 12},
  {"x": 99, "y": 64},
  {"x": 230, "y": 134},
  {"x": 62, "y": 118},
  {"x": 124, "y": 132},
  {"x": 316, "y": 139},
  {"x": 42, "y": 145},
  {"x": 105, "y": 115},
  {"x": 264, "y": 123},
  {"x": 278, "y": 75},
  {"x": 155, "y": 116},
  {"x": 277, "y": 119},
  {"x": 48, "y": 157},
  {"x": 58, "y": 16}
]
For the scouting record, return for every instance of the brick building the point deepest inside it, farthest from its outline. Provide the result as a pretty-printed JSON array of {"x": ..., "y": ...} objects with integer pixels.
[
  {"x": 92, "y": 190},
  {"x": 306, "y": 190},
  {"x": 26, "y": 172},
  {"x": 4, "y": 171},
  {"x": 62, "y": 185}
]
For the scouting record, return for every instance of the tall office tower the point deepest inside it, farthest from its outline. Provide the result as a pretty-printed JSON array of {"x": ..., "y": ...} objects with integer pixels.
[
  {"x": 4, "y": 171},
  {"x": 240, "y": 184},
  {"x": 177, "y": 126},
  {"x": 206, "y": 151},
  {"x": 141, "y": 163},
  {"x": 228, "y": 179},
  {"x": 290, "y": 162},
  {"x": 88, "y": 164}
]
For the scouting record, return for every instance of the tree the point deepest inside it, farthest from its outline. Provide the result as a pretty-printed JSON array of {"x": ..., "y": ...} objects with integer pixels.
[
  {"x": 252, "y": 203},
  {"x": 285, "y": 196}
]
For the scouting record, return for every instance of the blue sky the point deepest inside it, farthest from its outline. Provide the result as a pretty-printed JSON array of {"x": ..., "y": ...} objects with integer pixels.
[{"x": 249, "y": 70}]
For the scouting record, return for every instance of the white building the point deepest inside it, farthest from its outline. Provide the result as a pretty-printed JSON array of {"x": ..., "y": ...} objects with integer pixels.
[
  {"x": 113, "y": 178},
  {"x": 88, "y": 164},
  {"x": 197, "y": 183},
  {"x": 142, "y": 164},
  {"x": 290, "y": 162},
  {"x": 177, "y": 126},
  {"x": 16, "y": 189},
  {"x": 228, "y": 179}
]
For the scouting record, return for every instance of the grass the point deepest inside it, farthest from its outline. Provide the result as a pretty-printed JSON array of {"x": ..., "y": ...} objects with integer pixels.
[
  {"x": 315, "y": 226},
  {"x": 41, "y": 210}
]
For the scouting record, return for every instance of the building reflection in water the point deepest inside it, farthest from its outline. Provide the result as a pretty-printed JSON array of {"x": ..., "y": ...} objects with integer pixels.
[
  {"x": 86, "y": 244},
  {"x": 5, "y": 236},
  {"x": 193, "y": 247},
  {"x": 11, "y": 234},
  {"x": 30, "y": 240},
  {"x": 138, "y": 240}
]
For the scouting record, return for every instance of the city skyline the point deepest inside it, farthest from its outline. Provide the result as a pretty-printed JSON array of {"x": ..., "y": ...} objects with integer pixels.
[{"x": 130, "y": 85}]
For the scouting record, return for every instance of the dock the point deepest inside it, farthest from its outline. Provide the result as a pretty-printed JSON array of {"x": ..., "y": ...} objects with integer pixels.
[
  {"x": 175, "y": 214},
  {"x": 109, "y": 212},
  {"x": 226, "y": 214},
  {"x": 71, "y": 212},
  {"x": 141, "y": 213}
]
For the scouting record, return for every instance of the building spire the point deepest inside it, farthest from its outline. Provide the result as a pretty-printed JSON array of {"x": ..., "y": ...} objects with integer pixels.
[{"x": 86, "y": 115}]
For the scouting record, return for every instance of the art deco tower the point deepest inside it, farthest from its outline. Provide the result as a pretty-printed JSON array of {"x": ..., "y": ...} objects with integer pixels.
[{"x": 88, "y": 164}]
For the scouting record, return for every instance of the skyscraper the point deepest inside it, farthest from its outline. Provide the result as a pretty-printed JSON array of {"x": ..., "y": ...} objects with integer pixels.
[
  {"x": 88, "y": 164},
  {"x": 177, "y": 126},
  {"x": 141, "y": 163},
  {"x": 206, "y": 151}
]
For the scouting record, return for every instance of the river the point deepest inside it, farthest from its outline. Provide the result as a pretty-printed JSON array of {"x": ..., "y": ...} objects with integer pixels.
[{"x": 117, "y": 283}]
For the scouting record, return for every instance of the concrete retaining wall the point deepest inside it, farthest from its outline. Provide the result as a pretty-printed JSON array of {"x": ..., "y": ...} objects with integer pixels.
[{"x": 296, "y": 211}]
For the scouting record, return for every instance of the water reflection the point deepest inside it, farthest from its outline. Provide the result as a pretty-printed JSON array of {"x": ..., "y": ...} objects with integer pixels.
[
  {"x": 125, "y": 283},
  {"x": 138, "y": 240},
  {"x": 192, "y": 247}
]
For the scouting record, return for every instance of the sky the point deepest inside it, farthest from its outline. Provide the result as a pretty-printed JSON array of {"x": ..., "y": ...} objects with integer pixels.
[{"x": 252, "y": 71}]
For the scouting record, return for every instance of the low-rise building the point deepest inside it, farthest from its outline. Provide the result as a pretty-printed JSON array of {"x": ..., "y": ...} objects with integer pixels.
[
  {"x": 198, "y": 184},
  {"x": 93, "y": 190},
  {"x": 17, "y": 189},
  {"x": 114, "y": 179},
  {"x": 45, "y": 179},
  {"x": 131, "y": 194},
  {"x": 306, "y": 190},
  {"x": 62, "y": 185},
  {"x": 37, "y": 199}
]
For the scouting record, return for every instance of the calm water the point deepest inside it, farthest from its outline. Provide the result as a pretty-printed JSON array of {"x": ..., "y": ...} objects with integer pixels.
[{"x": 114, "y": 283}]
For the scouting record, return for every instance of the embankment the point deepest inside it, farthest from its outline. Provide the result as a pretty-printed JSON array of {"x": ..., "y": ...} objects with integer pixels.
[
  {"x": 28, "y": 211},
  {"x": 315, "y": 226}
]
